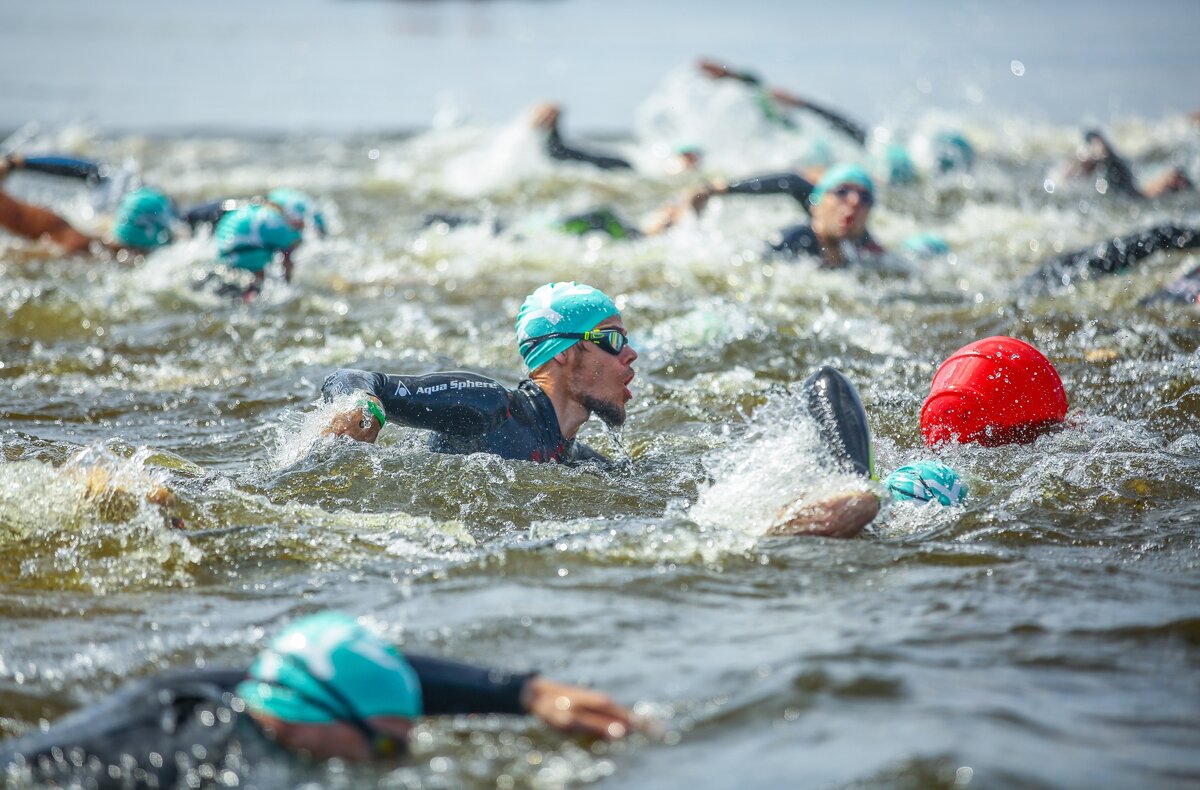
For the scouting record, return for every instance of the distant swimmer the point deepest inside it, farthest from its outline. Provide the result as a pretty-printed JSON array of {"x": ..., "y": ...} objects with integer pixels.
[
  {"x": 248, "y": 240},
  {"x": 580, "y": 363},
  {"x": 545, "y": 116},
  {"x": 1111, "y": 174},
  {"x": 325, "y": 687},
  {"x": 839, "y": 206},
  {"x": 945, "y": 151},
  {"x": 1117, "y": 255},
  {"x": 145, "y": 220}
]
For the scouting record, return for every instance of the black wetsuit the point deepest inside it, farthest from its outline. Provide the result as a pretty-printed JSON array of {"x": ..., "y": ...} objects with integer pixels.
[
  {"x": 797, "y": 240},
  {"x": 557, "y": 149},
  {"x": 469, "y": 413},
  {"x": 209, "y": 213},
  {"x": 182, "y": 726},
  {"x": 1111, "y": 257}
]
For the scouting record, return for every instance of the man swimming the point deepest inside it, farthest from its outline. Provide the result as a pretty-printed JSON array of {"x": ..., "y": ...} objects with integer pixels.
[
  {"x": 325, "y": 687},
  {"x": 839, "y": 206},
  {"x": 144, "y": 221},
  {"x": 1111, "y": 174},
  {"x": 580, "y": 363}
]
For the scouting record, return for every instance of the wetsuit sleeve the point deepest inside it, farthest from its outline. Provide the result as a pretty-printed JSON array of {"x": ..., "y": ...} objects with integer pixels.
[
  {"x": 457, "y": 403},
  {"x": 207, "y": 213},
  {"x": 797, "y": 187},
  {"x": 559, "y": 150},
  {"x": 839, "y": 122},
  {"x": 449, "y": 688},
  {"x": 1111, "y": 256},
  {"x": 62, "y": 166}
]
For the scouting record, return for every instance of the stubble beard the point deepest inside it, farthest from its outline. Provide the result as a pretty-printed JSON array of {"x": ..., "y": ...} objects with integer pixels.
[{"x": 612, "y": 414}]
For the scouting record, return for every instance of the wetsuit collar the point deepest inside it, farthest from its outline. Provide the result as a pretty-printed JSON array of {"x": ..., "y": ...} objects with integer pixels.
[{"x": 547, "y": 419}]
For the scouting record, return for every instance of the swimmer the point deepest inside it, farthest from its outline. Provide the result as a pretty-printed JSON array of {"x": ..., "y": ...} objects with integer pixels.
[
  {"x": 1117, "y": 255},
  {"x": 1111, "y": 173},
  {"x": 325, "y": 687},
  {"x": 580, "y": 363},
  {"x": 839, "y": 206},
  {"x": 248, "y": 240},
  {"x": 545, "y": 116},
  {"x": 145, "y": 220}
]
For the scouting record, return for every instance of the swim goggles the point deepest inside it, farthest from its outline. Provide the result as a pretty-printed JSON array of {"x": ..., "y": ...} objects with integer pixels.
[
  {"x": 844, "y": 191},
  {"x": 611, "y": 340}
]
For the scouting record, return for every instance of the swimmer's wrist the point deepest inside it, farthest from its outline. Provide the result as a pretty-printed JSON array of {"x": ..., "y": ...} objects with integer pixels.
[
  {"x": 718, "y": 186},
  {"x": 372, "y": 407}
]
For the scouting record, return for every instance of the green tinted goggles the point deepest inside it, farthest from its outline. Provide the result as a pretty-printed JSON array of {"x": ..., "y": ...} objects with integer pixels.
[{"x": 611, "y": 340}]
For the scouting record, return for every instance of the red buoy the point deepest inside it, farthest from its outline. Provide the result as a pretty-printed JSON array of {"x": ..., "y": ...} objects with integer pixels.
[{"x": 995, "y": 391}]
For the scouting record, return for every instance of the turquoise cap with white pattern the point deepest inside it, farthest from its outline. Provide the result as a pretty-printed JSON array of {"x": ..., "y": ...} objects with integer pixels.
[
  {"x": 249, "y": 237},
  {"x": 559, "y": 307},
  {"x": 328, "y": 667}
]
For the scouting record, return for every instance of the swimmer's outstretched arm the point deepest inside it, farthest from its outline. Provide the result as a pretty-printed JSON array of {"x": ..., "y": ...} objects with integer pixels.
[
  {"x": 836, "y": 119},
  {"x": 452, "y": 688},
  {"x": 784, "y": 98},
  {"x": 34, "y": 222},
  {"x": 796, "y": 186},
  {"x": 457, "y": 403},
  {"x": 1110, "y": 257}
]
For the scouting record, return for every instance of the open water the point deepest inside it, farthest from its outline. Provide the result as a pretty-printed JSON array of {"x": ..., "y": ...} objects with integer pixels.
[{"x": 1045, "y": 634}]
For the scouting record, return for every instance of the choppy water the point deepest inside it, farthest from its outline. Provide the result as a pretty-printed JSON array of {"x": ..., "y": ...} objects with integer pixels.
[{"x": 1047, "y": 634}]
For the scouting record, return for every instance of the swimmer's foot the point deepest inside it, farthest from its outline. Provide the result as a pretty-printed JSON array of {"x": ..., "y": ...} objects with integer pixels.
[{"x": 839, "y": 516}]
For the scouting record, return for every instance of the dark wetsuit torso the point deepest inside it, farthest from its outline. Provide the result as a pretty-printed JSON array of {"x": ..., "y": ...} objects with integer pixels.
[
  {"x": 182, "y": 725},
  {"x": 1116, "y": 255},
  {"x": 469, "y": 413},
  {"x": 797, "y": 240},
  {"x": 559, "y": 150}
]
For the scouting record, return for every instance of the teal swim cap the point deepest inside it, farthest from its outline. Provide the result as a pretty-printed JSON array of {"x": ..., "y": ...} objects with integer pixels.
[
  {"x": 896, "y": 165},
  {"x": 926, "y": 481},
  {"x": 953, "y": 152},
  {"x": 559, "y": 307},
  {"x": 144, "y": 219},
  {"x": 925, "y": 245},
  {"x": 328, "y": 668},
  {"x": 249, "y": 237},
  {"x": 837, "y": 175},
  {"x": 298, "y": 207}
]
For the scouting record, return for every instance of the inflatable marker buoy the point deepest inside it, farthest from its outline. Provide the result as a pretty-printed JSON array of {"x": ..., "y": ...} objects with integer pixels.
[{"x": 995, "y": 391}]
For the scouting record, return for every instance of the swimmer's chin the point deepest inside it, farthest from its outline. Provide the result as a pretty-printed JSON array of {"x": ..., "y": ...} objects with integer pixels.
[{"x": 842, "y": 515}]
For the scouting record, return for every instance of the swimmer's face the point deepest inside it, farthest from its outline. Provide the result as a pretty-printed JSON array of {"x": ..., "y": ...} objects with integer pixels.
[
  {"x": 842, "y": 212},
  {"x": 335, "y": 739},
  {"x": 600, "y": 380}
]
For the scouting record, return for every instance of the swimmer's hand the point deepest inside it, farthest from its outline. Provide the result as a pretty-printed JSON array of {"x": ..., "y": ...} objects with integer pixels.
[
  {"x": 358, "y": 423},
  {"x": 840, "y": 516},
  {"x": 544, "y": 116},
  {"x": 716, "y": 70},
  {"x": 8, "y": 164},
  {"x": 572, "y": 709}
]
